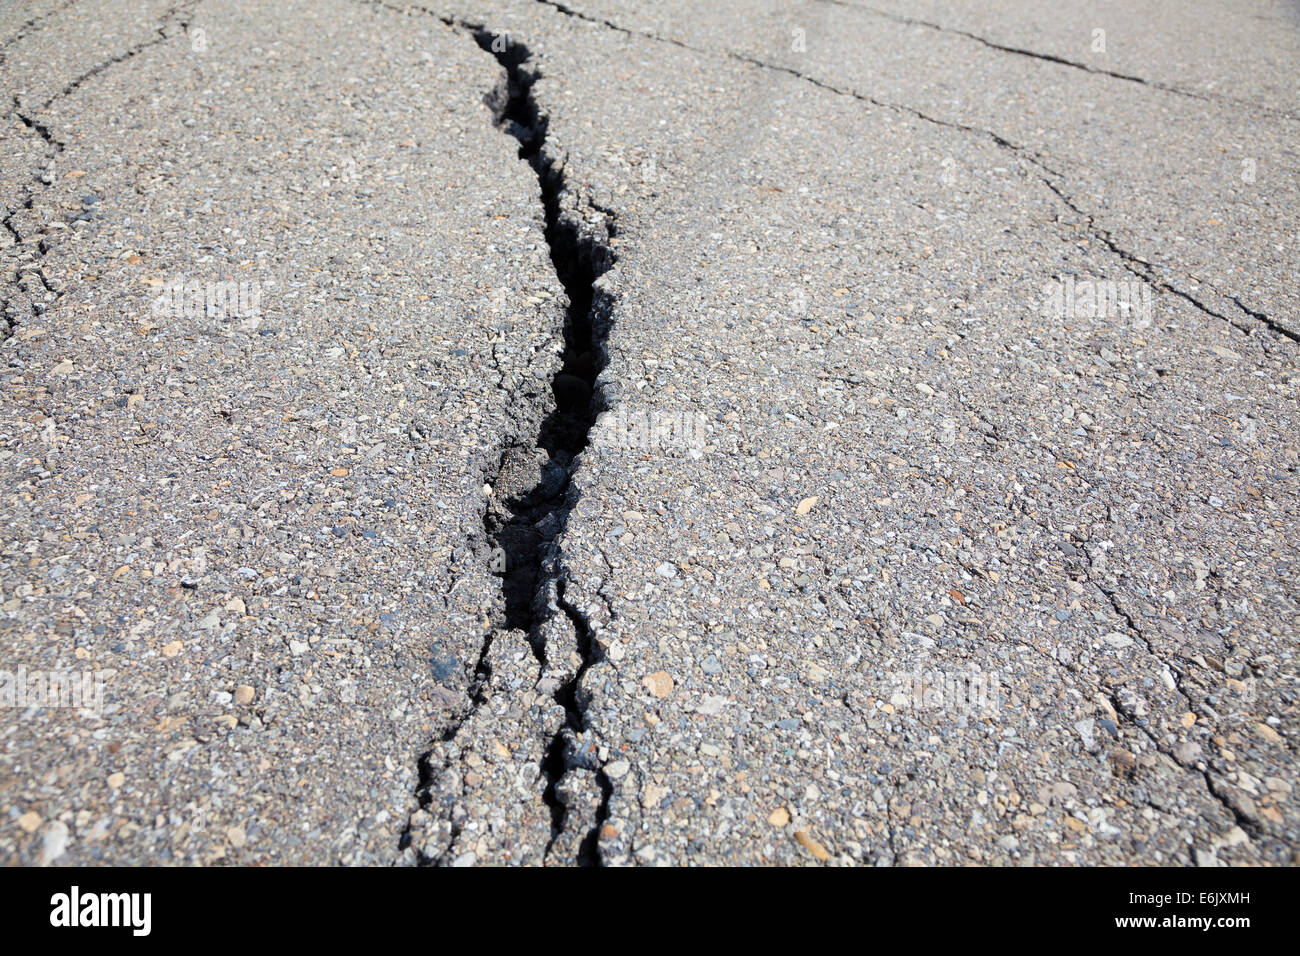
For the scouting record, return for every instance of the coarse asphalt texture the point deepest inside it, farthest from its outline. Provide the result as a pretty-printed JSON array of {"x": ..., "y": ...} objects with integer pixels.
[{"x": 522, "y": 432}]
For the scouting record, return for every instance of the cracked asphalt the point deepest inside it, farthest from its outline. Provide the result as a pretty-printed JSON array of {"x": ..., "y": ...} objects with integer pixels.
[{"x": 514, "y": 432}]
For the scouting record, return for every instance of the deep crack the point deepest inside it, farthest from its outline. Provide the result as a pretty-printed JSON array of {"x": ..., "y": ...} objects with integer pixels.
[
  {"x": 531, "y": 494},
  {"x": 525, "y": 525}
]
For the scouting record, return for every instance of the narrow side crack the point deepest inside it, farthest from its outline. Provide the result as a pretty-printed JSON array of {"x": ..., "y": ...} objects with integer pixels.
[{"x": 1058, "y": 60}]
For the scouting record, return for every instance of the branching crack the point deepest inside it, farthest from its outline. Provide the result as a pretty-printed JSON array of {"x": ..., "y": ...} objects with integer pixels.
[
  {"x": 532, "y": 495},
  {"x": 1133, "y": 263},
  {"x": 172, "y": 19},
  {"x": 527, "y": 525},
  {"x": 808, "y": 78}
]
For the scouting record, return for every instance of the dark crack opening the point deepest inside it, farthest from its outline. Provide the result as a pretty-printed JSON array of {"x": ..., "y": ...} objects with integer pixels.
[
  {"x": 531, "y": 496},
  {"x": 525, "y": 522},
  {"x": 521, "y": 525}
]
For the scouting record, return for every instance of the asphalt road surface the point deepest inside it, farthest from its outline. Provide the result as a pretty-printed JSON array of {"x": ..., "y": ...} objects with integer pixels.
[{"x": 809, "y": 432}]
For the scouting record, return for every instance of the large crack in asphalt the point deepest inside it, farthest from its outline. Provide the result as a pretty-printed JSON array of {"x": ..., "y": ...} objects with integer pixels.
[
  {"x": 525, "y": 523},
  {"x": 532, "y": 495}
]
